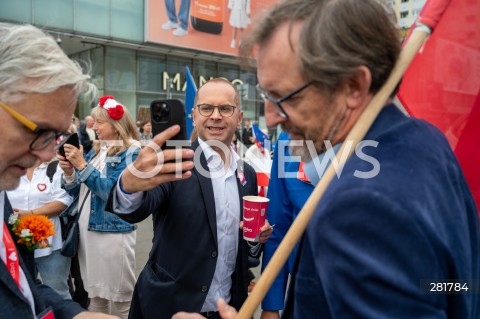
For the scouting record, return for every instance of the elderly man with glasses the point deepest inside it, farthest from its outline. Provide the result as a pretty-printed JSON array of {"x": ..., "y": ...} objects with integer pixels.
[
  {"x": 39, "y": 87},
  {"x": 198, "y": 252}
]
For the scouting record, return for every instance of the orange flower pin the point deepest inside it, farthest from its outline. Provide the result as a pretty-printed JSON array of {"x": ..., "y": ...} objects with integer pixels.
[{"x": 32, "y": 230}]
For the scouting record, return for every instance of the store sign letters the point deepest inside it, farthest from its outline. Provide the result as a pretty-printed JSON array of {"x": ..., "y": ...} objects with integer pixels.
[{"x": 177, "y": 83}]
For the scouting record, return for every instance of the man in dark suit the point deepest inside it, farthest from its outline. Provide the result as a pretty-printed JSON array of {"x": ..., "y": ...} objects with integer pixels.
[
  {"x": 86, "y": 134},
  {"x": 198, "y": 252},
  {"x": 35, "y": 110},
  {"x": 247, "y": 133}
]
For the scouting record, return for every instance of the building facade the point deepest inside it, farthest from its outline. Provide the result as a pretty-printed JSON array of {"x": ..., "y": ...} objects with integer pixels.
[
  {"x": 130, "y": 56},
  {"x": 406, "y": 12},
  {"x": 111, "y": 39}
]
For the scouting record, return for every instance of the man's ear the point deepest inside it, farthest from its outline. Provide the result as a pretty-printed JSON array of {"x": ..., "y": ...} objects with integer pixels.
[
  {"x": 193, "y": 116},
  {"x": 358, "y": 87}
]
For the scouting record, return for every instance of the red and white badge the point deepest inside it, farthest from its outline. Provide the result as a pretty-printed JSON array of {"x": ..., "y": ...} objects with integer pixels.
[
  {"x": 46, "y": 314},
  {"x": 242, "y": 178}
]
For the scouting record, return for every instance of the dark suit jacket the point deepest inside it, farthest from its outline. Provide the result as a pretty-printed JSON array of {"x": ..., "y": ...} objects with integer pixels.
[
  {"x": 14, "y": 305},
  {"x": 84, "y": 138},
  {"x": 246, "y": 134},
  {"x": 374, "y": 245},
  {"x": 182, "y": 261}
]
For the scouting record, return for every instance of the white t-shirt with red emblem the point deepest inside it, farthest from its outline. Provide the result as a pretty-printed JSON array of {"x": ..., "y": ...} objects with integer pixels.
[{"x": 37, "y": 193}]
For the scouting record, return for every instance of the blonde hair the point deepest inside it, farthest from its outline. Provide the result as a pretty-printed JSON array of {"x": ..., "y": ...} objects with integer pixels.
[{"x": 125, "y": 128}]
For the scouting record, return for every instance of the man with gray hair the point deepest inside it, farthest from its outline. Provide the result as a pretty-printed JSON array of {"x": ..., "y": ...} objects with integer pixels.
[
  {"x": 398, "y": 242},
  {"x": 39, "y": 87}
]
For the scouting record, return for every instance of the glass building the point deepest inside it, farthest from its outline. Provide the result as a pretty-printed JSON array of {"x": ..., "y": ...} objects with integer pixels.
[{"x": 116, "y": 40}]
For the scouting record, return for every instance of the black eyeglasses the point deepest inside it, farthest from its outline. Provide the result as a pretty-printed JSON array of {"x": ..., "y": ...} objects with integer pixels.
[
  {"x": 43, "y": 137},
  {"x": 265, "y": 96},
  {"x": 224, "y": 110}
]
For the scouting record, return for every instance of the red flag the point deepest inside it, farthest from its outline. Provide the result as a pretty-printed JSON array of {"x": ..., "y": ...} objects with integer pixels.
[{"x": 442, "y": 84}]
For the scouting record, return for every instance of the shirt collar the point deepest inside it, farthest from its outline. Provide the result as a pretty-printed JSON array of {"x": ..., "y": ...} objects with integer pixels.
[
  {"x": 43, "y": 165},
  {"x": 211, "y": 155}
]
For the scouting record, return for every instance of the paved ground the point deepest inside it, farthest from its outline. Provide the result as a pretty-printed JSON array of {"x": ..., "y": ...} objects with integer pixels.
[{"x": 144, "y": 245}]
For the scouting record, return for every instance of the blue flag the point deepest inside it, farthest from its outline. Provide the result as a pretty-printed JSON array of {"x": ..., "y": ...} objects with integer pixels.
[
  {"x": 190, "y": 92},
  {"x": 261, "y": 139}
]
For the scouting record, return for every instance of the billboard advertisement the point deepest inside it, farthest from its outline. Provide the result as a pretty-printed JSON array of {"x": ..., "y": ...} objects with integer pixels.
[{"x": 206, "y": 25}]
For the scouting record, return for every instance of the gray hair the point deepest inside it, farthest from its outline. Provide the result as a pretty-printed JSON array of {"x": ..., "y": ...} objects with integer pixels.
[
  {"x": 32, "y": 62},
  {"x": 337, "y": 36}
]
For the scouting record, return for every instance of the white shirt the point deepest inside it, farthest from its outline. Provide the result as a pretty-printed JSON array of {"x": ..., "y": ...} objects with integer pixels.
[
  {"x": 91, "y": 133},
  {"x": 37, "y": 193},
  {"x": 227, "y": 209},
  {"x": 25, "y": 288}
]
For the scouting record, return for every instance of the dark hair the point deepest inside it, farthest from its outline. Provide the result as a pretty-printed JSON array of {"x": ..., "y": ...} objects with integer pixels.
[
  {"x": 283, "y": 12},
  {"x": 337, "y": 36},
  {"x": 142, "y": 124}
]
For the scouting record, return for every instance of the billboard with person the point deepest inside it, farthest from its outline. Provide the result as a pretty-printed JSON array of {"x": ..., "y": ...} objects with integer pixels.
[{"x": 207, "y": 25}]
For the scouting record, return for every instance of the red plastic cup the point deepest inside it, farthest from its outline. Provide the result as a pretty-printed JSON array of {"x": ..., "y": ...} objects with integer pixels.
[{"x": 254, "y": 215}]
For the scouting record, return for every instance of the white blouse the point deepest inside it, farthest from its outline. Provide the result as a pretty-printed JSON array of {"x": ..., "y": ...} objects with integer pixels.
[{"x": 37, "y": 193}]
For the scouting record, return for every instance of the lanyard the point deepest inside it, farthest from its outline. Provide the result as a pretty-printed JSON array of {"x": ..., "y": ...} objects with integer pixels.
[{"x": 12, "y": 256}]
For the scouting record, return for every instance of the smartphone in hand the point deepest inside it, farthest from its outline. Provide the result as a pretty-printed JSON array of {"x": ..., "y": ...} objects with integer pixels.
[
  {"x": 72, "y": 139},
  {"x": 166, "y": 113}
]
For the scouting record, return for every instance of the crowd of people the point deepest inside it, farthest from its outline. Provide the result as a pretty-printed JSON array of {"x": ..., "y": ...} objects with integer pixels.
[
  {"x": 80, "y": 182},
  {"x": 370, "y": 247}
]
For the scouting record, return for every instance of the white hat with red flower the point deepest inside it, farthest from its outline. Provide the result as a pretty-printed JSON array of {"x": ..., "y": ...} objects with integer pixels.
[{"x": 114, "y": 109}]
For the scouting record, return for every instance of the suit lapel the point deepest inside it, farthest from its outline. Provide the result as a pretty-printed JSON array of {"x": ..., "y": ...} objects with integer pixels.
[
  {"x": 207, "y": 191},
  {"x": 5, "y": 275},
  {"x": 8, "y": 281}
]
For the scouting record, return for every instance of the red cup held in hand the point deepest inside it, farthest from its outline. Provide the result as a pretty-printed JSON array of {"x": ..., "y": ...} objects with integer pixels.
[{"x": 254, "y": 215}]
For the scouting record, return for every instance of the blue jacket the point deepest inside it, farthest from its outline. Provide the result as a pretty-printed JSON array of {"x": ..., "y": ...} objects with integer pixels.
[
  {"x": 287, "y": 196},
  {"x": 373, "y": 246},
  {"x": 100, "y": 184}
]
